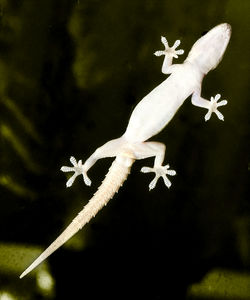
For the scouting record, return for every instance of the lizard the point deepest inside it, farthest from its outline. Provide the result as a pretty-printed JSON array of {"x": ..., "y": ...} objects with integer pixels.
[{"x": 148, "y": 118}]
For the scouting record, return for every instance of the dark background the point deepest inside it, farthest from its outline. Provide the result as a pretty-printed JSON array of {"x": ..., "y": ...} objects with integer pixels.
[{"x": 70, "y": 74}]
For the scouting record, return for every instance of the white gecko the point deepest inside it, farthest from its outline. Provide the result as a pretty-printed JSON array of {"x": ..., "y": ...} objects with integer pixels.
[{"x": 149, "y": 117}]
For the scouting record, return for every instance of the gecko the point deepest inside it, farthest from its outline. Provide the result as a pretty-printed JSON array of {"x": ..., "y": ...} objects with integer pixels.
[{"x": 148, "y": 118}]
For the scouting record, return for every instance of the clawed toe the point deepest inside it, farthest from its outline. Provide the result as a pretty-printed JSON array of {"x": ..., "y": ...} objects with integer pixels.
[
  {"x": 153, "y": 183},
  {"x": 86, "y": 179},
  {"x": 147, "y": 170}
]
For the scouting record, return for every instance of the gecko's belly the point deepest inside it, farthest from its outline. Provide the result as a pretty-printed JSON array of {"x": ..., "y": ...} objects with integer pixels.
[{"x": 154, "y": 111}]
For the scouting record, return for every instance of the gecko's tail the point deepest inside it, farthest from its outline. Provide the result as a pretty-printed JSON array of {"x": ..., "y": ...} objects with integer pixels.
[{"x": 114, "y": 179}]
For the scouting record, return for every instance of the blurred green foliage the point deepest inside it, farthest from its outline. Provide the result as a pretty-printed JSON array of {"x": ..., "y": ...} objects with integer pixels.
[
  {"x": 222, "y": 284},
  {"x": 71, "y": 72}
]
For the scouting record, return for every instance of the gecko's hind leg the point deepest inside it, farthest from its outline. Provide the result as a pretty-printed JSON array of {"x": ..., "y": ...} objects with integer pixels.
[
  {"x": 110, "y": 149},
  {"x": 149, "y": 149}
]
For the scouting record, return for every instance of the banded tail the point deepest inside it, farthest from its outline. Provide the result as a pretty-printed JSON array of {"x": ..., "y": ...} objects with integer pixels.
[{"x": 114, "y": 179}]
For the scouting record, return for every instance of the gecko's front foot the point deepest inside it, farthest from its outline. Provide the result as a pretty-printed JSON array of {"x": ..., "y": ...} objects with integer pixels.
[
  {"x": 169, "y": 51},
  {"x": 212, "y": 107},
  {"x": 161, "y": 171},
  {"x": 78, "y": 169}
]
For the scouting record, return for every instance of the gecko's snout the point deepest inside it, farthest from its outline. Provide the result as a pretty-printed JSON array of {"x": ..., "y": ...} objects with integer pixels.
[{"x": 226, "y": 28}]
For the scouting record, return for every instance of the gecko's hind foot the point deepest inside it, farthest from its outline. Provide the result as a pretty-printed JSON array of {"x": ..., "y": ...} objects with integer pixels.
[
  {"x": 78, "y": 169},
  {"x": 161, "y": 171}
]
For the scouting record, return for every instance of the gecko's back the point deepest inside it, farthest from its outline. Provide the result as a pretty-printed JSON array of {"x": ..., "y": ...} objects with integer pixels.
[{"x": 157, "y": 108}]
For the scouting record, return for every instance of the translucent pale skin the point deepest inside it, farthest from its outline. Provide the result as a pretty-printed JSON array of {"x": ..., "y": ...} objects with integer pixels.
[
  {"x": 155, "y": 110},
  {"x": 162, "y": 103},
  {"x": 149, "y": 117}
]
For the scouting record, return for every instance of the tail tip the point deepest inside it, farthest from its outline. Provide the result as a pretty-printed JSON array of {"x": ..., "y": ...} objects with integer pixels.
[{"x": 22, "y": 275}]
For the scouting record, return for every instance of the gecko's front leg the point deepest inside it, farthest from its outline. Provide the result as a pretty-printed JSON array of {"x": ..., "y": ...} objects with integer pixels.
[
  {"x": 211, "y": 105},
  {"x": 169, "y": 53}
]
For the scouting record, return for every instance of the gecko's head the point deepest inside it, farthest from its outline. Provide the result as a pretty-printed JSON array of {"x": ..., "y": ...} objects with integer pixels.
[{"x": 208, "y": 51}]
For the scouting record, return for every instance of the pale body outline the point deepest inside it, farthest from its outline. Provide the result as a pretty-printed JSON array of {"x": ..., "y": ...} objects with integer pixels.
[{"x": 149, "y": 117}]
